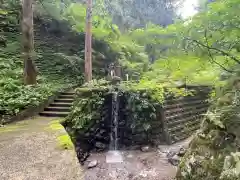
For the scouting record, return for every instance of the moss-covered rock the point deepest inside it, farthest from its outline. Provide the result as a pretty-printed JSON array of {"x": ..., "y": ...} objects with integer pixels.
[{"x": 214, "y": 152}]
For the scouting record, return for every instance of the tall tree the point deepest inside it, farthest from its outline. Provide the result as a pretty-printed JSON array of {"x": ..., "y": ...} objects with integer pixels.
[
  {"x": 30, "y": 72},
  {"x": 88, "y": 43}
]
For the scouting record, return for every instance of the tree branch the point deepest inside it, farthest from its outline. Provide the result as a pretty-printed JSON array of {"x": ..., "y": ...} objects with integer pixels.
[
  {"x": 215, "y": 49},
  {"x": 210, "y": 54}
]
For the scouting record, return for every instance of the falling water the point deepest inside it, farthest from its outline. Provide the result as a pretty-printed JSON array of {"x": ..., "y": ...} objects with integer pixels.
[
  {"x": 114, "y": 130},
  {"x": 114, "y": 155}
]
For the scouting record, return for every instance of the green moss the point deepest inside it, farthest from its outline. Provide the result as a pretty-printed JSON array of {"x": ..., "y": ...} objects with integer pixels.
[
  {"x": 64, "y": 142},
  {"x": 55, "y": 125},
  {"x": 10, "y": 128},
  {"x": 213, "y": 153}
]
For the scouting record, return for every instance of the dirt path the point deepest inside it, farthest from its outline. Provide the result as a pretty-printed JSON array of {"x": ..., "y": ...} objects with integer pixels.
[{"x": 30, "y": 150}]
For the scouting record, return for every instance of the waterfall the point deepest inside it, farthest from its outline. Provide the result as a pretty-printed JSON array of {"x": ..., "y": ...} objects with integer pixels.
[
  {"x": 114, "y": 156},
  {"x": 114, "y": 123}
]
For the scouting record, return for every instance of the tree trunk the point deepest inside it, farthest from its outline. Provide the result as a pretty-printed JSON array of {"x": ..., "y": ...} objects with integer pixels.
[
  {"x": 30, "y": 72},
  {"x": 88, "y": 43}
]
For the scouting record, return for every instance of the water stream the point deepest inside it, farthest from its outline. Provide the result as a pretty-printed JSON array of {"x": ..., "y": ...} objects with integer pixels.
[
  {"x": 114, "y": 130},
  {"x": 114, "y": 156}
]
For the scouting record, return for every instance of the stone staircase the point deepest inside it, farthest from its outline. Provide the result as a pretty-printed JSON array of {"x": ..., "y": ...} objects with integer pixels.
[{"x": 61, "y": 105}]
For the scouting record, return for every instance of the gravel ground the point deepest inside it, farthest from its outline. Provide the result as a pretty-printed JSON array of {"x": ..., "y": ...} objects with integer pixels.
[
  {"x": 29, "y": 151},
  {"x": 136, "y": 165}
]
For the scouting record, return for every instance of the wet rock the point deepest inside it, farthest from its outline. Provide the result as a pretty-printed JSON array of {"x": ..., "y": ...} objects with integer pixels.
[
  {"x": 145, "y": 148},
  {"x": 130, "y": 176},
  {"x": 100, "y": 145},
  {"x": 99, "y": 136},
  {"x": 139, "y": 138},
  {"x": 170, "y": 154},
  {"x": 107, "y": 138},
  {"x": 144, "y": 162},
  {"x": 102, "y": 131},
  {"x": 68, "y": 129},
  {"x": 163, "y": 150},
  {"x": 129, "y": 156},
  {"x": 174, "y": 160},
  {"x": 102, "y": 120},
  {"x": 92, "y": 164},
  {"x": 182, "y": 152},
  {"x": 82, "y": 156},
  {"x": 87, "y": 135}
]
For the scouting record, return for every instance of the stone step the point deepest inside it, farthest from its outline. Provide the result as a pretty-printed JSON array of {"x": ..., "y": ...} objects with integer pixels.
[
  {"x": 53, "y": 114},
  {"x": 57, "y": 109},
  {"x": 184, "y": 104},
  {"x": 66, "y": 96},
  {"x": 173, "y": 123},
  {"x": 69, "y": 93},
  {"x": 184, "y": 126},
  {"x": 189, "y": 99},
  {"x": 178, "y": 116},
  {"x": 61, "y": 104},
  {"x": 185, "y": 108},
  {"x": 64, "y": 100}
]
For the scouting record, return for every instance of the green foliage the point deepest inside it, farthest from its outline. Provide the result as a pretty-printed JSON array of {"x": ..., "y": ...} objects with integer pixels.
[
  {"x": 130, "y": 14},
  {"x": 191, "y": 70},
  {"x": 14, "y": 95},
  {"x": 143, "y": 101},
  {"x": 122, "y": 47},
  {"x": 9, "y": 17},
  {"x": 231, "y": 169},
  {"x": 214, "y": 151},
  {"x": 87, "y": 107},
  {"x": 142, "y": 110},
  {"x": 195, "y": 51},
  {"x": 154, "y": 90},
  {"x": 157, "y": 91}
]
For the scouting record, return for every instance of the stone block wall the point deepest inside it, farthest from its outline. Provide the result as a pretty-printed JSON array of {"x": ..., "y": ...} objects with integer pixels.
[
  {"x": 182, "y": 116},
  {"x": 174, "y": 120}
]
